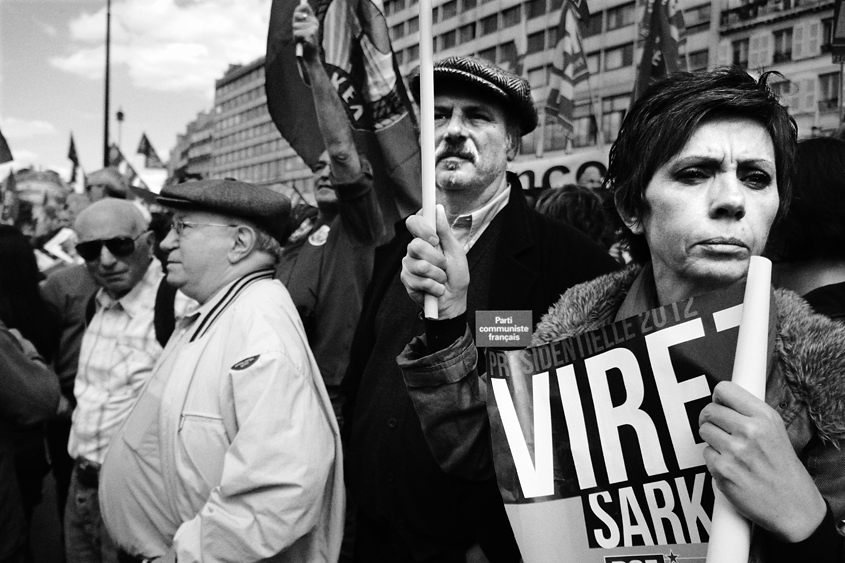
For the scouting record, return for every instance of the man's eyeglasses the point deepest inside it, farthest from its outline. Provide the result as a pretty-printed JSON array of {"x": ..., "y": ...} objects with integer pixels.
[
  {"x": 120, "y": 247},
  {"x": 179, "y": 225}
]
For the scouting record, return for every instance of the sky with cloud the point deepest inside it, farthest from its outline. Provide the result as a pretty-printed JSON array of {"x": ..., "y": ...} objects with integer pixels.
[{"x": 165, "y": 56}]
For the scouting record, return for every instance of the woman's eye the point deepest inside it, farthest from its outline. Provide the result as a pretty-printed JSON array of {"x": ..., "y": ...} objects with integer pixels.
[
  {"x": 692, "y": 175},
  {"x": 758, "y": 180}
]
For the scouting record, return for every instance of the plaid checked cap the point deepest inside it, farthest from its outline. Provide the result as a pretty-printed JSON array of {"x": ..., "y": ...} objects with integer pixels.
[{"x": 511, "y": 89}]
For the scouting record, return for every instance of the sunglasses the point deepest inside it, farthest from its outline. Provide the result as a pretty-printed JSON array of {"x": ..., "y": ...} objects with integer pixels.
[{"x": 120, "y": 247}]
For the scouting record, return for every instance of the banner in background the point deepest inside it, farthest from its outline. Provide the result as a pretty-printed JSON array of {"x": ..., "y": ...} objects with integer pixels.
[
  {"x": 569, "y": 67},
  {"x": 359, "y": 60},
  {"x": 595, "y": 438},
  {"x": 662, "y": 31}
]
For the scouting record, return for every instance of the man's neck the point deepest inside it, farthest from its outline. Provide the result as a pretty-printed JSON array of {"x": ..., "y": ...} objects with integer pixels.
[{"x": 464, "y": 202}]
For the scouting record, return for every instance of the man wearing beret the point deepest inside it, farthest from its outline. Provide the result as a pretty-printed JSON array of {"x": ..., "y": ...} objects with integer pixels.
[
  {"x": 232, "y": 452},
  {"x": 410, "y": 508}
]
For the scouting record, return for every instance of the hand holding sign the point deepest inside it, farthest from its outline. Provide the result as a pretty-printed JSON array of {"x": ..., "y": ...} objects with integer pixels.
[
  {"x": 753, "y": 463},
  {"x": 436, "y": 265}
]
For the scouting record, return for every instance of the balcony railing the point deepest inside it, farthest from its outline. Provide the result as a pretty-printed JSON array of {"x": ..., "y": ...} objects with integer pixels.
[
  {"x": 751, "y": 11},
  {"x": 782, "y": 57}
]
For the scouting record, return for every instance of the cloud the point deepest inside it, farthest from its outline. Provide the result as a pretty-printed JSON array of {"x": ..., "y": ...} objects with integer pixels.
[
  {"x": 14, "y": 128},
  {"x": 170, "y": 45},
  {"x": 49, "y": 30}
]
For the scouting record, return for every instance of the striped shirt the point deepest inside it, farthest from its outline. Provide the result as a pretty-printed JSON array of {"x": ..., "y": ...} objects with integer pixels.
[{"x": 117, "y": 355}]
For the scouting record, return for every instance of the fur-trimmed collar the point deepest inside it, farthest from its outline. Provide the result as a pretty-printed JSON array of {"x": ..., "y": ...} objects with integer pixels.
[{"x": 810, "y": 347}]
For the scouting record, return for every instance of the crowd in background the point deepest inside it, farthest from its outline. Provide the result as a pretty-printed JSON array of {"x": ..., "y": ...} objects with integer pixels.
[{"x": 55, "y": 285}]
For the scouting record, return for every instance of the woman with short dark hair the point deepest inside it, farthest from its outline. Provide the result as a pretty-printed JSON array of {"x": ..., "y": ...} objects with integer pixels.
[{"x": 701, "y": 170}]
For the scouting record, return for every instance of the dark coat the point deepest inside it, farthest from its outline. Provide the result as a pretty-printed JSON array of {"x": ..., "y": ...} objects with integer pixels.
[
  {"x": 536, "y": 260},
  {"x": 29, "y": 394}
]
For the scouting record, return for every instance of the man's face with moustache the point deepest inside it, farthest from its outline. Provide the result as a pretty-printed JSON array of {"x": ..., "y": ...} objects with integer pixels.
[{"x": 473, "y": 144}]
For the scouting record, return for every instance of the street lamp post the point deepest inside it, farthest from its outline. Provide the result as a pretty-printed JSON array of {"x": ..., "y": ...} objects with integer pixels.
[{"x": 120, "y": 129}]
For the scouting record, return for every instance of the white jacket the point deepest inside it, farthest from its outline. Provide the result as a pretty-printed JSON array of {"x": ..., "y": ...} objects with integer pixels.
[{"x": 232, "y": 453}]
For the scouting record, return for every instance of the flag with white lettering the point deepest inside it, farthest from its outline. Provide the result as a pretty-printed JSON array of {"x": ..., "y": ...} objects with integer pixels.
[
  {"x": 358, "y": 57},
  {"x": 568, "y": 69},
  {"x": 662, "y": 32},
  {"x": 595, "y": 438}
]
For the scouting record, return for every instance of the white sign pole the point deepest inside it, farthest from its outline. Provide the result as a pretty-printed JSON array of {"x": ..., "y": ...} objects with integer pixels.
[
  {"x": 730, "y": 532},
  {"x": 427, "y": 128}
]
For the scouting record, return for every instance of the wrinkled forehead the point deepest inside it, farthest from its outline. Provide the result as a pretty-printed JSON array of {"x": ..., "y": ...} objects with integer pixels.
[
  {"x": 109, "y": 219},
  {"x": 467, "y": 96}
]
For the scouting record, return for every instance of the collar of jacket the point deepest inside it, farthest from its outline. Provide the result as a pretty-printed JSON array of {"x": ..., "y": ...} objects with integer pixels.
[{"x": 810, "y": 348}]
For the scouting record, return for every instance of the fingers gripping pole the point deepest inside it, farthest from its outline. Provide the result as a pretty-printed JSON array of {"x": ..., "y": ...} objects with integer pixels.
[
  {"x": 730, "y": 532},
  {"x": 427, "y": 129}
]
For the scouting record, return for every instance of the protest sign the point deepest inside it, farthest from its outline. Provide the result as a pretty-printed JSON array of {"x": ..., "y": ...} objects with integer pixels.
[{"x": 595, "y": 438}]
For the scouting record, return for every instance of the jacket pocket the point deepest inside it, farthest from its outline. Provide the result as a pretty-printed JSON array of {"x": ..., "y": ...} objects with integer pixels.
[{"x": 202, "y": 447}]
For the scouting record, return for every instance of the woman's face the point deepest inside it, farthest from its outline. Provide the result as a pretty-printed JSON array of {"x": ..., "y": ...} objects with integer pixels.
[{"x": 710, "y": 208}]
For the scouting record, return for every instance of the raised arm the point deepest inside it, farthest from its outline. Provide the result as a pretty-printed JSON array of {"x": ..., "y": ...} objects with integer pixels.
[{"x": 331, "y": 115}]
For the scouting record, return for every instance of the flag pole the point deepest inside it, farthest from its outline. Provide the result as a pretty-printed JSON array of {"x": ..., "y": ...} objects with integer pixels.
[
  {"x": 106, "y": 102},
  {"x": 427, "y": 129},
  {"x": 730, "y": 532}
]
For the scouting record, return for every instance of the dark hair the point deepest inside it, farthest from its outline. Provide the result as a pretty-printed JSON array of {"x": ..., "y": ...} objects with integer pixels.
[
  {"x": 815, "y": 224},
  {"x": 21, "y": 305},
  {"x": 590, "y": 163},
  {"x": 662, "y": 120},
  {"x": 576, "y": 206}
]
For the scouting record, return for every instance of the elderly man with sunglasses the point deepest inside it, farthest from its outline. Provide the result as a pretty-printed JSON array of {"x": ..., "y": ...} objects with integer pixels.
[{"x": 117, "y": 355}]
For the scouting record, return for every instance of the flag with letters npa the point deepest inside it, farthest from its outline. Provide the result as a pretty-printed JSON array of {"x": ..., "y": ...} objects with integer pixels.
[
  {"x": 5, "y": 152},
  {"x": 569, "y": 65},
  {"x": 595, "y": 437},
  {"x": 358, "y": 57},
  {"x": 151, "y": 159},
  {"x": 662, "y": 32}
]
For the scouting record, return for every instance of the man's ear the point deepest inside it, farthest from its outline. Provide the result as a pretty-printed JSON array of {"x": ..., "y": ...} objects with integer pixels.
[
  {"x": 242, "y": 244},
  {"x": 631, "y": 221},
  {"x": 149, "y": 239}
]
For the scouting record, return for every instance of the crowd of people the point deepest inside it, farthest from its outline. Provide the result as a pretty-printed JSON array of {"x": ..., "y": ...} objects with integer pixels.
[{"x": 230, "y": 379}]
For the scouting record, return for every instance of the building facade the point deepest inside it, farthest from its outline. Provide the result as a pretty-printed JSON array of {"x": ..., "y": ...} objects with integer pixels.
[
  {"x": 788, "y": 36},
  {"x": 191, "y": 157},
  {"x": 238, "y": 139}
]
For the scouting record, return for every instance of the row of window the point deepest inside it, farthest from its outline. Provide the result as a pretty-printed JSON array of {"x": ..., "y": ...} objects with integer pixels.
[
  {"x": 263, "y": 171},
  {"x": 245, "y": 135},
  {"x": 695, "y": 19},
  {"x": 241, "y": 99},
  {"x": 252, "y": 76},
  {"x": 808, "y": 95},
  {"x": 760, "y": 50},
  {"x": 242, "y": 117},
  {"x": 485, "y": 26},
  {"x": 274, "y": 146}
]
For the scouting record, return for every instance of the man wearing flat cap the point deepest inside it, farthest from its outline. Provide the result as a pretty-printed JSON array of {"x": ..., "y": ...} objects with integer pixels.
[
  {"x": 412, "y": 508},
  {"x": 232, "y": 452}
]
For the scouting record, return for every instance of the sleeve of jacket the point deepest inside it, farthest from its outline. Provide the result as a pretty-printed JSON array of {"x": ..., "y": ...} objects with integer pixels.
[
  {"x": 359, "y": 209},
  {"x": 29, "y": 391},
  {"x": 276, "y": 469},
  {"x": 451, "y": 402}
]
